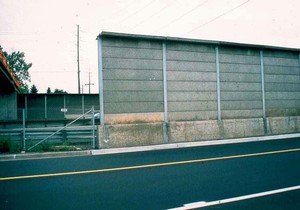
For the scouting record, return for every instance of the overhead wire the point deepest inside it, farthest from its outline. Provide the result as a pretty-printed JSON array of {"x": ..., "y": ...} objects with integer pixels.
[
  {"x": 151, "y": 16},
  {"x": 216, "y": 18},
  {"x": 183, "y": 15},
  {"x": 138, "y": 11}
]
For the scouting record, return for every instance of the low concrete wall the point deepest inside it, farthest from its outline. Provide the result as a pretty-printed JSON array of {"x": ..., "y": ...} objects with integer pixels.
[
  {"x": 281, "y": 125},
  {"x": 126, "y": 135},
  {"x": 213, "y": 129}
]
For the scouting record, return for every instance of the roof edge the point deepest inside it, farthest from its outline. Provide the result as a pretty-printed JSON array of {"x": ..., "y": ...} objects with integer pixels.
[
  {"x": 201, "y": 41},
  {"x": 9, "y": 72}
]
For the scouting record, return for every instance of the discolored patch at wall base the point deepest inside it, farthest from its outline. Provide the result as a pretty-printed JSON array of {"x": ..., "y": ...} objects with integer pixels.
[
  {"x": 281, "y": 125},
  {"x": 134, "y": 118},
  {"x": 142, "y": 134},
  {"x": 128, "y": 135}
]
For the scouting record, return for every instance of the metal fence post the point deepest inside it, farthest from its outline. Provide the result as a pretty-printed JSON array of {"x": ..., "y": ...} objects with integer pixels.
[
  {"x": 64, "y": 106},
  {"x": 26, "y": 106},
  {"x": 93, "y": 129},
  {"x": 218, "y": 83},
  {"x": 100, "y": 75},
  {"x": 82, "y": 103},
  {"x": 46, "y": 113},
  {"x": 262, "y": 83},
  {"x": 24, "y": 131}
]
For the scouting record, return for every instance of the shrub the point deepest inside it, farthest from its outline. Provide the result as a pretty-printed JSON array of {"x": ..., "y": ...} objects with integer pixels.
[{"x": 8, "y": 146}]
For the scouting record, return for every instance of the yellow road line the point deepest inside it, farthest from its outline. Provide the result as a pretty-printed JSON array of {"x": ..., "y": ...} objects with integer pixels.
[{"x": 148, "y": 165}]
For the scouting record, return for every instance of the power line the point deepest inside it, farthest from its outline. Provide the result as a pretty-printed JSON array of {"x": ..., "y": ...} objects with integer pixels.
[
  {"x": 138, "y": 11},
  {"x": 120, "y": 10},
  {"x": 183, "y": 15},
  {"x": 154, "y": 14},
  {"x": 219, "y": 16}
]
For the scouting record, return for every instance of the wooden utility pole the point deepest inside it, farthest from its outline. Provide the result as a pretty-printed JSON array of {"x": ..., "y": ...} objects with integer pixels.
[{"x": 78, "y": 68}]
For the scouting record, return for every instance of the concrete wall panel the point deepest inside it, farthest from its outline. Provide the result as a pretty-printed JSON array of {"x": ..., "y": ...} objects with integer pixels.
[
  {"x": 137, "y": 53},
  {"x": 241, "y": 68},
  {"x": 191, "y": 96},
  {"x": 191, "y": 56},
  {"x": 126, "y": 63},
  {"x": 192, "y": 76},
  {"x": 190, "y": 66},
  {"x": 126, "y": 74},
  {"x": 239, "y": 59},
  {"x": 280, "y": 61},
  {"x": 192, "y": 106},
  {"x": 191, "y": 86},
  {"x": 192, "y": 116},
  {"x": 281, "y": 70},
  {"x": 132, "y": 107},
  {"x": 190, "y": 47},
  {"x": 114, "y": 85},
  {"x": 241, "y": 105},
  {"x": 236, "y": 77},
  {"x": 244, "y": 96},
  {"x": 242, "y": 114},
  {"x": 133, "y": 96},
  {"x": 131, "y": 43},
  {"x": 240, "y": 86}
]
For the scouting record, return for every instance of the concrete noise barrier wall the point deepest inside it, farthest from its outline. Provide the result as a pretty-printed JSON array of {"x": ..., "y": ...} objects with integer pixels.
[{"x": 126, "y": 135}]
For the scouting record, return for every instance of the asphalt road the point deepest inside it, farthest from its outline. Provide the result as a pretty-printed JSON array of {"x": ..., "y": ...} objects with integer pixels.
[{"x": 157, "y": 179}]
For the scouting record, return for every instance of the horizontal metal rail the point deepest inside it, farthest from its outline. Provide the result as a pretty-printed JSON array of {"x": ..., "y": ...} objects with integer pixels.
[{"x": 81, "y": 116}]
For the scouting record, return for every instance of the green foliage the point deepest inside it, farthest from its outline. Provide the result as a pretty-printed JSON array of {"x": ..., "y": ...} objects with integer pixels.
[
  {"x": 33, "y": 89},
  {"x": 8, "y": 146},
  {"x": 58, "y": 91},
  {"x": 16, "y": 61},
  {"x": 48, "y": 90}
]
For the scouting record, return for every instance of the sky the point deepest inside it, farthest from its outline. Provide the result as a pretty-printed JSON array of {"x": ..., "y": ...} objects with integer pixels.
[{"x": 47, "y": 30}]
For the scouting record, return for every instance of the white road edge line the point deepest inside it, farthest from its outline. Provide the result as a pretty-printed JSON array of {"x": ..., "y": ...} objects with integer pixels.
[
  {"x": 202, "y": 204},
  {"x": 192, "y": 144}
]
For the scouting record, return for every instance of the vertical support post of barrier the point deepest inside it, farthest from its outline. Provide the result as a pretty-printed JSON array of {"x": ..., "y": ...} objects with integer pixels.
[
  {"x": 218, "y": 84},
  {"x": 65, "y": 106},
  {"x": 263, "y": 83},
  {"x": 46, "y": 107},
  {"x": 93, "y": 128},
  {"x": 299, "y": 61},
  {"x": 165, "y": 86},
  {"x": 100, "y": 73},
  {"x": 24, "y": 131},
  {"x": 82, "y": 103},
  {"x": 26, "y": 106}
]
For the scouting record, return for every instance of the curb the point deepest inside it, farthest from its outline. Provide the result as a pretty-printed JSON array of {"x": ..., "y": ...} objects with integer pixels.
[
  {"x": 30, "y": 156},
  {"x": 192, "y": 144}
]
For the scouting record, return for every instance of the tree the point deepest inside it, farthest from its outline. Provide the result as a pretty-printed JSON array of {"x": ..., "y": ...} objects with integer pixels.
[
  {"x": 59, "y": 91},
  {"x": 48, "y": 90},
  {"x": 33, "y": 89},
  {"x": 16, "y": 61}
]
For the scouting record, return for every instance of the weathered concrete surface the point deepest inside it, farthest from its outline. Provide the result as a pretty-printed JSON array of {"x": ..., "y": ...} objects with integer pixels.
[
  {"x": 213, "y": 129},
  {"x": 130, "y": 118},
  {"x": 194, "y": 131},
  {"x": 127, "y": 135},
  {"x": 281, "y": 125}
]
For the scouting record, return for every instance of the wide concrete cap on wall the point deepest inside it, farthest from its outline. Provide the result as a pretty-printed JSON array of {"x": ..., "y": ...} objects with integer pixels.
[{"x": 200, "y": 41}]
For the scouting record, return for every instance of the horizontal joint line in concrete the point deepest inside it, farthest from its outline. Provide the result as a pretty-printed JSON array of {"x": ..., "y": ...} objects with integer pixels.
[{"x": 269, "y": 65}]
